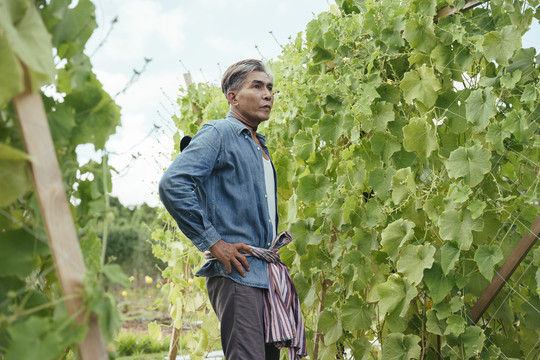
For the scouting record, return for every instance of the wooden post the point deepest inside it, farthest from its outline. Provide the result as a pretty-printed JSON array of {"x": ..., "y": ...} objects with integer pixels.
[
  {"x": 56, "y": 215},
  {"x": 503, "y": 274},
  {"x": 450, "y": 10}
]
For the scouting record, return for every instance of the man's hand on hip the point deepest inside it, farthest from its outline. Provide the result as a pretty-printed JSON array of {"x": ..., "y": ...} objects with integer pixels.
[{"x": 230, "y": 254}]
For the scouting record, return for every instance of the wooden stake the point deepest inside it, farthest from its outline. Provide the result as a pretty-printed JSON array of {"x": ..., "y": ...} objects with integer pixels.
[
  {"x": 450, "y": 10},
  {"x": 503, "y": 274},
  {"x": 56, "y": 215}
]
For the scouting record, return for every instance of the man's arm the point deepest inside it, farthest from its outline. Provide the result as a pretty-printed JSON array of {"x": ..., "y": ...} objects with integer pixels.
[{"x": 177, "y": 190}]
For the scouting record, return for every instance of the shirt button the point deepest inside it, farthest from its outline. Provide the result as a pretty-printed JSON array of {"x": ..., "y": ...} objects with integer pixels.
[
  {"x": 258, "y": 148},
  {"x": 265, "y": 196},
  {"x": 268, "y": 244},
  {"x": 245, "y": 136},
  {"x": 269, "y": 220}
]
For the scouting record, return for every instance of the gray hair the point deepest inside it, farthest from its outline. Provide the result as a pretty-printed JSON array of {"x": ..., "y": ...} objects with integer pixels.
[{"x": 236, "y": 74}]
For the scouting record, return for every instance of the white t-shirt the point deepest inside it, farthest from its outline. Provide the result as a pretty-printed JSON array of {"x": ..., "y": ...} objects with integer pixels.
[{"x": 270, "y": 193}]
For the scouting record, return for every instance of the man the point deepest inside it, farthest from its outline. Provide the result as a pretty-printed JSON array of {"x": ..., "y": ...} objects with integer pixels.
[{"x": 221, "y": 190}]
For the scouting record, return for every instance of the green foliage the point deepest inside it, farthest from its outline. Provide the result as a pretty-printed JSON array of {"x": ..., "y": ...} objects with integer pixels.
[
  {"x": 33, "y": 320},
  {"x": 407, "y": 158}
]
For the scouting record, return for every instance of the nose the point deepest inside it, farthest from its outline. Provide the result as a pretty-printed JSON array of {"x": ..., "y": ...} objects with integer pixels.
[{"x": 267, "y": 95}]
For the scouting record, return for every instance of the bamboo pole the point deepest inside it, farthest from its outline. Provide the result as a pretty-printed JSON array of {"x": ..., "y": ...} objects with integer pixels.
[
  {"x": 503, "y": 274},
  {"x": 56, "y": 215}
]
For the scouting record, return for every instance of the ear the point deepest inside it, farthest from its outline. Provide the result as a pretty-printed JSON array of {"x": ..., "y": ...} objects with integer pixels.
[{"x": 231, "y": 97}]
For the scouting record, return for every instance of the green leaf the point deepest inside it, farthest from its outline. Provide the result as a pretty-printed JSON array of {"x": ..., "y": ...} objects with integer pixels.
[
  {"x": 420, "y": 35},
  {"x": 76, "y": 25},
  {"x": 361, "y": 348},
  {"x": 383, "y": 113},
  {"x": 421, "y": 84},
  {"x": 455, "y": 324},
  {"x": 29, "y": 40},
  {"x": 433, "y": 325},
  {"x": 115, "y": 274},
  {"x": 38, "y": 338},
  {"x": 487, "y": 257},
  {"x": 481, "y": 106},
  {"x": 419, "y": 136},
  {"x": 496, "y": 134},
  {"x": 470, "y": 163},
  {"x": 313, "y": 188},
  {"x": 384, "y": 144},
  {"x": 330, "y": 326},
  {"x": 380, "y": 181},
  {"x": 19, "y": 251},
  {"x": 499, "y": 46},
  {"x": 517, "y": 123},
  {"x": 329, "y": 128},
  {"x": 321, "y": 55},
  {"x": 413, "y": 260},
  {"x": 473, "y": 341},
  {"x": 449, "y": 255},
  {"x": 398, "y": 346},
  {"x": 395, "y": 235},
  {"x": 306, "y": 291},
  {"x": 403, "y": 185},
  {"x": 509, "y": 80},
  {"x": 438, "y": 284},
  {"x": 11, "y": 76},
  {"x": 529, "y": 93},
  {"x": 356, "y": 315},
  {"x": 15, "y": 175},
  {"x": 303, "y": 145},
  {"x": 458, "y": 226},
  {"x": 395, "y": 295},
  {"x": 476, "y": 207}
]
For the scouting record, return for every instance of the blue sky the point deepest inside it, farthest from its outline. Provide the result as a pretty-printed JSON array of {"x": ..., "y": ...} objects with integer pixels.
[{"x": 199, "y": 36}]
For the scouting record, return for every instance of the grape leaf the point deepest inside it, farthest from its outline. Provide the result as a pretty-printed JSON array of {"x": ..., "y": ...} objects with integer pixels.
[
  {"x": 395, "y": 235},
  {"x": 402, "y": 185},
  {"x": 487, "y": 257},
  {"x": 414, "y": 259},
  {"x": 15, "y": 175},
  {"x": 419, "y": 137},
  {"x": 449, "y": 255},
  {"x": 499, "y": 46},
  {"x": 29, "y": 40},
  {"x": 395, "y": 295},
  {"x": 481, "y": 106},
  {"x": 421, "y": 84},
  {"x": 356, "y": 315},
  {"x": 11, "y": 77},
  {"x": 401, "y": 347},
  {"x": 458, "y": 226},
  {"x": 470, "y": 163},
  {"x": 473, "y": 341},
  {"x": 313, "y": 188},
  {"x": 330, "y": 326}
]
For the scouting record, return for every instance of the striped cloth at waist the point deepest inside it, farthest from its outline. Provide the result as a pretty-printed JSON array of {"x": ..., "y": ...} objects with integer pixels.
[{"x": 284, "y": 326}]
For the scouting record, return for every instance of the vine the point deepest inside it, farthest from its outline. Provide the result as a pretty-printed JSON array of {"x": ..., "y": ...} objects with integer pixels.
[
  {"x": 34, "y": 323},
  {"x": 407, "y": 159}
]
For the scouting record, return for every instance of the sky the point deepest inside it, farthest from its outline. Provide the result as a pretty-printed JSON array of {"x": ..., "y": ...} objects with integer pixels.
[{"x": 202, "y": 37}]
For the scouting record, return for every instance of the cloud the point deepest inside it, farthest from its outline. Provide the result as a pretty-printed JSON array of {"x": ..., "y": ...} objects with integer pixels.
[{"x": 144, "y": 27}]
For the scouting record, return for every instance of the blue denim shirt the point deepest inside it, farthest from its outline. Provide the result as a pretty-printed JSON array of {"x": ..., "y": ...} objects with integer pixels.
[{"x": 215, "y": 189}]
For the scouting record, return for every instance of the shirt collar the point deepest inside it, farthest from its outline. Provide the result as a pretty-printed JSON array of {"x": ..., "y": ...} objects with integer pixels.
[{"x": 239, "y": 127}]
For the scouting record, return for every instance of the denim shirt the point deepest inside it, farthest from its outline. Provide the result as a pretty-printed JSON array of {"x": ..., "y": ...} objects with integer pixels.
[{"x": 215, "y": 189}]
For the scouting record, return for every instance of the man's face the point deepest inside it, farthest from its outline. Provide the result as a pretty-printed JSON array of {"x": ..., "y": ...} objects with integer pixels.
[{"x": 254, "y": 100}]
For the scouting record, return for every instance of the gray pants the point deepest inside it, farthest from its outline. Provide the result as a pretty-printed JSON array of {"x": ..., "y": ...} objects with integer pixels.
[{"x": 240, "y": 311}]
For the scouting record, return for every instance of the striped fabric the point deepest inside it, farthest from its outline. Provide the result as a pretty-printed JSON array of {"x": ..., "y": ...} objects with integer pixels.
[{"x": 284, "y": 326}]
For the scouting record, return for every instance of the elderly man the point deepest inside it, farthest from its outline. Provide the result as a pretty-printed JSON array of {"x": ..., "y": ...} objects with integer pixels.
[{"x": 221, "y": 190}]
